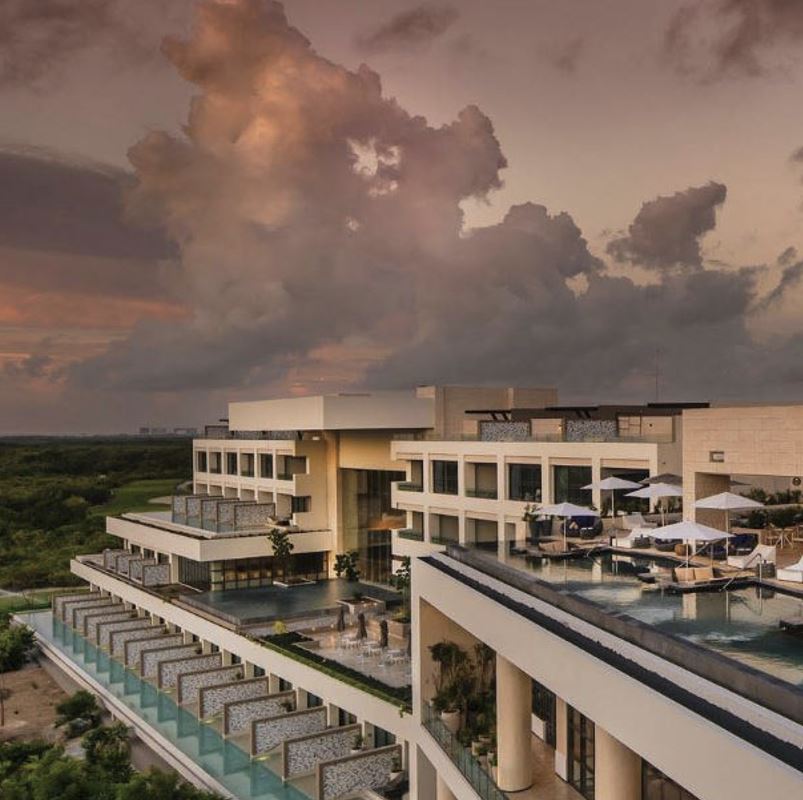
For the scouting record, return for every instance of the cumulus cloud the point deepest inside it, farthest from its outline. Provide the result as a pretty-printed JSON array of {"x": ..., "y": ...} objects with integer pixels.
[
  {"x": 410, "y": 29},
  {"x": 716, "y": 38},
  {"x": 315, "y": 216},
  {"x": 667, "y": 230}
]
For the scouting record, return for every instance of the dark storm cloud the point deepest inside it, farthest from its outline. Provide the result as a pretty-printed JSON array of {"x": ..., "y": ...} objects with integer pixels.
[
  {"x": 312, "y": 211},
  {"x": 667, "y": 230},
  {"x": 714, "y": 38},
  {"x": 63, "y": 226},
  {"x": 409, "y": 29},
  {"x": 37, "y": 37}
]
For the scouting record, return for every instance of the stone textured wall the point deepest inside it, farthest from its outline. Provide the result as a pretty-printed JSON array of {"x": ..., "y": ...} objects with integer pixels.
[
  {"x": 213, "y": 698},
  {"x": 91, "y": 621},
  {"x": 156, "y": 575},
  {"x": 135, "y": 647},
  {"x": 491, "y": 431},
  {"x": 209, "y": 508},
  {"x": 120, "y": 638},
  {"x": 193, "y": 507},
  {"x": 170, "y": 670},
  {"x": 60, "y": 599},
  {"x": 591, "y": 430},
  {"x": 368, "y": 770},
  {"x": 256, "y": 515},
  {"x": 266, "y": 734},
  {"x": 122, "y": 562},
  {"x": 110, "y": 558},
  {"x": 68, "y": 607},
  {"x": 80, "y": 614},
  {"x": 149, "y": 660},
  {"x": 301, "y": 756},
  {"x": 191, "y": 683},
  {"x": 135, "y": 568},
  {"x": 238, "y": 716},
  {"x": 106, "y": 629}
]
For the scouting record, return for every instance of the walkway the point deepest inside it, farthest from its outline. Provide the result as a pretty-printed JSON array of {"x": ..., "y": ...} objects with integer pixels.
[{"x": 546, "y": 784}]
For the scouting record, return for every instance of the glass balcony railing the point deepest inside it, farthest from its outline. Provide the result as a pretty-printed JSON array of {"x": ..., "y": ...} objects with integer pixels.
[
  {"x": 484, "y": 494},
  {"x": 409, "y": 486},
  {"x": 471, "y": 769},
  {"x": 409, "y": 533}
]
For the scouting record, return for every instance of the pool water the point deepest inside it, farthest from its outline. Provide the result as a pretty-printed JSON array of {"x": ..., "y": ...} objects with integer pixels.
[
  {"x": 223, "y": 760},
  {"x": 742, "y": 624}
]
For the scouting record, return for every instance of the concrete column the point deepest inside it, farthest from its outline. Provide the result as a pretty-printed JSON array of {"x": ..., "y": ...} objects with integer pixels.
[
  {"x": 546, "y": 481},
  {"x": 513, "y": 711},
  {"x": 461, "y": 527},
  {"x": 596, "y": 475},
  {"x": 617, "y": 769},
  {"x": 225, "y": 658},
  {"x": 561, "y": 739},
  {"x": 273, "y": 683},
  {"x": 173, "y": 568},
  {"x": 248, "y": 668},
  {"x": 442, "y": 790}
]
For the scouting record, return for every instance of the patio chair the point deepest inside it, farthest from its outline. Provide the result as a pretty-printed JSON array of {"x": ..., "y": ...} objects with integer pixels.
[
  {"x": 794, "y": 572},
  {"x": 636, "y": 538},
  {"x": 697, "y": 577},
  {"x": 631, "y": 521},
  {"x": 763, "y": 554}
]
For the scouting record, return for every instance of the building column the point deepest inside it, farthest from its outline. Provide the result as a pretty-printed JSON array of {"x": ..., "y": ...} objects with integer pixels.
[
  {"x": 561, "y": 739},
  {"x": 173, "y": 568},
  {"x": 513, "y": 711},
  {"x": 596, "y": 476},
  {"x": 617, "y": 769},
  {"x": 546, "y": 481},
  {"x": 442, "y": 790}
]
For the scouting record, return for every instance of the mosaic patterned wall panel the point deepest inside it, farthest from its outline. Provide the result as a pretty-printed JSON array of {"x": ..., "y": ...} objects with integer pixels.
[
  {"x": 209, "y": 508},
  {"x": 190, "y": 684},
  {"x": 135, "y": 647},
  {"x": 135, "y": 568},
  {"x": 591, "y": 430},
  {"x": 170, "y": 670},
  {"x": 91, "y": 621},
  {"x": 193, "y": 508},
  {"x": 106, "y": 629},
  {"x": 256, "y": 515},
  {"x": 213, "y": 698},
  {"x": 80, "y": 614},
  {"x": 500, "y": 431},
  {"x": 110, "y": 557},
  {"x": 237, "y": 717},
  {"x": 120, "y": 638},
  {"x": 301, "y": 756},
  {"x": 156, "y": 575},
  {"x": 149, "y": 660},
  {"x": 268, "y": 734},
  {"x": 122, "y": 563},
  {"x": 368, "y": 770},
  {"x": 60, "y": 599},
  {"x": 69, "y": 606}
]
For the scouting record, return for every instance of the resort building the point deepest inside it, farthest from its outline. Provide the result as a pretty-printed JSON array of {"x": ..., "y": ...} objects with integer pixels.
[{"x": 358, "y": 599}]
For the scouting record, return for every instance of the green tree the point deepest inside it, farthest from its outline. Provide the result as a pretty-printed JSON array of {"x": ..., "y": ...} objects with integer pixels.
[
  {"x": 282, "y": 549},
  {"x": 347, "y": 565},
  {"x": 400, "y": 580},
  {"x": 155, "y": 785},
  {"x": 81, "y": 705},
  {"x": 109, "y": 749},
  {"x": 16, "y": 643}
]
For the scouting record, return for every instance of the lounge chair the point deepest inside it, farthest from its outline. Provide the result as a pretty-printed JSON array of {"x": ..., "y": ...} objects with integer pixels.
[
  {"x": 631, "y": 521},
  {"x": 696, "y": 578},
  {"x": 763, "y": 554},
  {"x": 636, "y": 538},
  {"x": 794, "y": 572}
]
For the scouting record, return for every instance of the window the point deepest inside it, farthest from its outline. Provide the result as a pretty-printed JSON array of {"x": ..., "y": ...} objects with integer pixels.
[
  {"x": 214, "y": 462},
  {"x": 247, "y": 465},
  {"x": 524, "y": 482},
  {"x": 259, "y": 672},
  {"x": 444, "y": 477},
  {"x": 231, "y": 463},
  {"x": 382, "y": 738},
  {"x": 235, "y": 659},
  {"x": 200, "y": 460},
  {"x": 569, "y": 482},
  {"x": 300, "y": 505},
  {"x": 266, "y": 465},
  {"x": 581, "y": 752},
  {"x": 656, "y": 786},
  {"x": 313, "y": 701},
  {"x": 344, "y": 718},
  {"x": 285, "y": 686},
  {"x": 544, "y": 709}
]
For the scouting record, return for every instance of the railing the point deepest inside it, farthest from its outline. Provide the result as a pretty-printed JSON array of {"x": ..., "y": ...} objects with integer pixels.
[
  {"x": 484, "y": 494},
  {"x": 409, "y": 486},
  {"x": 442, "y": 540},
  {"x": 409, "y": 533},
  {"x": 284, "y": 476},
  {"x": 471, "y": 769}
]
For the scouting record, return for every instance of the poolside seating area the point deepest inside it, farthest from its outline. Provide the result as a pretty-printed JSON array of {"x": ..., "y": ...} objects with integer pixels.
[
  {"x": 762, "y": 554},
  {"x": 793, "y": 573}
]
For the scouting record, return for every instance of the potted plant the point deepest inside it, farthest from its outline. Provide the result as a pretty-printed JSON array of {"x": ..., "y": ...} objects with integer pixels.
[
  {"x": 482, "y": 756},
  {"x": 453, "y": 682},
  {"x": 357, "y": 743},
  {"x": 493, "y": 765},
  {"x": 396, "y": 766}
]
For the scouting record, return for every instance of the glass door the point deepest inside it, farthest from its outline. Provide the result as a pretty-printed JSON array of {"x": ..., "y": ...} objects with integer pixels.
[{"x": 581, "y": 752}]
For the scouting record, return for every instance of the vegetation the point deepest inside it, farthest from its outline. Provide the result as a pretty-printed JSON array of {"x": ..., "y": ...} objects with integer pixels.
[
  {"x": 40, "y": 771},
  {"x": 79, "y": 713},
  {"x": 347, "y": 566},
  {"x": 282, "y": 548},
  {"x": 54, "y": 494},
  {"x": 400, "y": 581},
  {"x": 16, "y": 644},
  {"x": 288, "y": 644}
]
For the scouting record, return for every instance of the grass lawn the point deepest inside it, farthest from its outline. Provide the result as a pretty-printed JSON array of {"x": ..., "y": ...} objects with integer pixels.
[
  {"x": 32, "y": 599},
  {"x": 134, "y": 496}
]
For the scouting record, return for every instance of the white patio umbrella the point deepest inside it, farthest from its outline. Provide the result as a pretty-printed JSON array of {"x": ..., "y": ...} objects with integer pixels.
[
  {"x": 567, "y": 510},
  {"x": 664, "y": 477},
  {"x": 610, "y": 485},
  {"x": 727, "y": 502},
  {"x": 689, "y": 531},
  {"x": 657, "y": 491}
]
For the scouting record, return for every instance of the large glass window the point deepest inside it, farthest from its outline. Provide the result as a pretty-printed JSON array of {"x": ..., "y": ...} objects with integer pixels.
[
  {"x": 266, "y": 465},
  {"x": 214, "y": 462},
  {"x": 383, "y": 738},
  {"x": 524, "y": 482},
  {"x": 444, "y": 477},
  {"x": 247, "y": 465},
  {"x": 300, "y": 505},
  {"x": 581, "y": 752},
  {"x": 656, "y": 786},
  {"x": 200, "y": 461},
  {"x": 231, "y": 463},
  {"x": 194, "y": 573},
  {"x": 569, "y": 482},
  {"x": 544, "y": 708}
]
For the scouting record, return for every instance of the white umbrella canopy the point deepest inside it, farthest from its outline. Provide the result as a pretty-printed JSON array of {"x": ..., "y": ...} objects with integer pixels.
[
  {"x": 610, "y": 485},
  {"x": 727, "y": 502},
  {"x": 655, "y": 491},
  {"x": 567, "y": 510},
  {"x": 689, "y": 531},
  {"x": 664, "y": 477}
]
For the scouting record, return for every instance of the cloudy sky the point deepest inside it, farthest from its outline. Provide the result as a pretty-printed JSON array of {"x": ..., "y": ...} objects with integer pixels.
[{"x": 203, "y": 201}]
